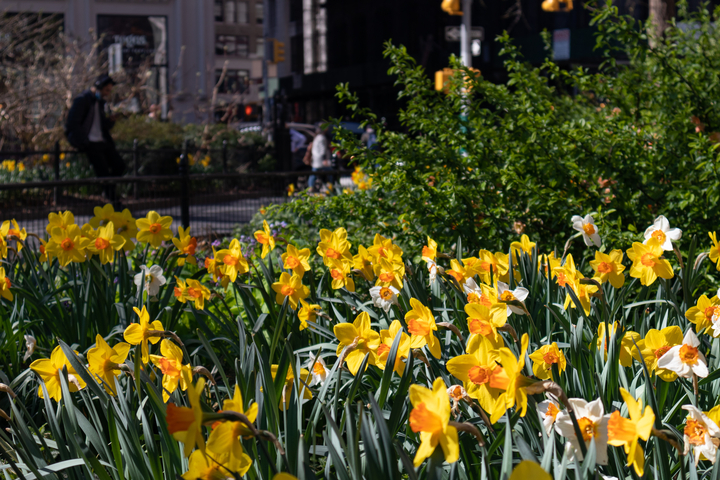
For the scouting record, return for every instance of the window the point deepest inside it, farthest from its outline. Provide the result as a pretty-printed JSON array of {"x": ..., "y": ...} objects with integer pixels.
[
  {"x": 231, "y": 45},
  {"x": 218, "y": 10},
  {"x": 235, "y": 81},
  {"x": 259, "y": 13},
  {"x": 230, "y": 11},
  {"x": 242, "y": 12},
  {"x": 260, "y": 47}
]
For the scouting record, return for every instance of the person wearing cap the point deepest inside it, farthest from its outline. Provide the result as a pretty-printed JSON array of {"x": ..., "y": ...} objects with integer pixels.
[{"x": 88, "y": 129}]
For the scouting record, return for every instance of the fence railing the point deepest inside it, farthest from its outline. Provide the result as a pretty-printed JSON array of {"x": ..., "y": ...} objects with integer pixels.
[{"x": 212, "y": 203}]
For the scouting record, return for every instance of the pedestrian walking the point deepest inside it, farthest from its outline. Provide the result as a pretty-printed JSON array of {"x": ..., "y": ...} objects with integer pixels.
[
  {"x": 88, "y": 129},
  {"x": 320, "y": 155}
]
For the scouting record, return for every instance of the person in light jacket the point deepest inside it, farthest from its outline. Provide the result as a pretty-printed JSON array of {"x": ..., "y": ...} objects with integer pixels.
[
  {"x": 320, "y": 156},
  {"x": 88, "y": 129}
]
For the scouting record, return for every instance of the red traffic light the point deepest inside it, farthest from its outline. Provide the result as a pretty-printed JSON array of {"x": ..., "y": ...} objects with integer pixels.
[{"x": 248, "y": 110}]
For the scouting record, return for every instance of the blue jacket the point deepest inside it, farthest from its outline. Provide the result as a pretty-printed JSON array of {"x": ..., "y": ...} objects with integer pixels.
[{"x": 80, "y": 120}]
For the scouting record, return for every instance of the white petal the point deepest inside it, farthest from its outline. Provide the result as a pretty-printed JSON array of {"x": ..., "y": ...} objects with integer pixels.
[
  {"x": 587, "y": 240},
  {"x": 576, "y": 219},
  {"x": 674, "y": 234},
  {"x": 156, "y": 270},
  {"x": 502, "y": 287},
  {"x": 671, "y": 358},
  {"x": 521, "y": 293},
  {"x": 394, "y": 290},
  {"x": 596, "y": 410},
  {"x": 690, "y": 338},
  {"x": 700, "y": 369},
  {"x": 470, "y": 286},
  {"x": 693, "y": 411},
  {"x": 667, "y": 245},
  {"x": 596, "y": 239},
  {"x": 375, "y": 293},
  {"x": 138, "y": 279},
  {"x": 578, "y": 226},
  {"x": 517, "y": 310},
  {"x": 648, "y": 233},
  {"x": 661, "y": 223},
  {"x": 589, "y": 219}
]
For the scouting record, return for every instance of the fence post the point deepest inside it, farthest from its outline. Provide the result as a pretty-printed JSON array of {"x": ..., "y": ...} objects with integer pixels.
[
  {"x": 135, "y": 166},
  {"x": 56, "y": 167},
  {"x": 184, "y": 187},
  {"x": 224, "y": 156}
]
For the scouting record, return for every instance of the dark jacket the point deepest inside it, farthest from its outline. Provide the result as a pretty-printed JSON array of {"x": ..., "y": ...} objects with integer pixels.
[{"x": 80, "y": 119}]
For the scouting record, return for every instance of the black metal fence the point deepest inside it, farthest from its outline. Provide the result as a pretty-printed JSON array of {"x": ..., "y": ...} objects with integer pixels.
[{"x": 211, "y": 203}]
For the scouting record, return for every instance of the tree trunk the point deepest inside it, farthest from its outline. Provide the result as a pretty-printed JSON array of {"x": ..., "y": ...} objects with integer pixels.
[{"x": 660, "y": 12}]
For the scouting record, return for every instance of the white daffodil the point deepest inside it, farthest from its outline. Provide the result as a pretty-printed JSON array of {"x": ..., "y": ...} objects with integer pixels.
[
  {"x": 589, "y": 230},
  {"x": 433, "y": 269},
  {"x": 592, "y": 421},
  {"x": 506, "y": 295},
  {"x": 661, "y": 233},
  {"x": 471, "y": 287},
  {"x": 30, "y": 344},
  {"x": 154, "y": 279},
  {"x": 548, "y": 411},
  {"x": 384, "y": 297},
  {"x": 685, "y": 359},
  {"x": 319, "y": 369},
  {"x": 699, "y": 430}
]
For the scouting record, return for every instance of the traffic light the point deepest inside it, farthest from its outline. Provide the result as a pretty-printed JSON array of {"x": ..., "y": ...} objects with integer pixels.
[
  {"x": 278, "y": 51},
  {"x": 557, "y": 5},
  {"x": 248, "y": 110},
  {"x": 442, "y": 77},
  {"x": 452, "y": 7}
]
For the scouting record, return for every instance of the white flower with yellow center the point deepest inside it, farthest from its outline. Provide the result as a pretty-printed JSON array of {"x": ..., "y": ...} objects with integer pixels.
[
  {"x": 699, "y": 430},
  {"x": 548, "y": 410},
  {"x": 318, "y": 370},
  {"x": 661, "y": 233},
  {"x": 154, "y": 279},
  {"x": 685, "y": 359},
  {"x": 384, "y": 297},
  {"x": 589, "y": 230},
  {"x": 592, "y": 421},
  {"x": 506, "y": 295},
  {"x": 433, "y": 269}
]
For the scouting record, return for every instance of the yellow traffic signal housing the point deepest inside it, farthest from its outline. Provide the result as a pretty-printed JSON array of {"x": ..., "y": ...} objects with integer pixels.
[
  {"x": 557, "y": 5},
  {"x": 452, "y": 7},
  {"x": 278, "y": 51},
  {"x": 442, "y": 77}
]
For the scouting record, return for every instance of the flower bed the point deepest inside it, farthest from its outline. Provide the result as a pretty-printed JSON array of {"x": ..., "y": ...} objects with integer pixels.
[{"x": 129, "y": 353}]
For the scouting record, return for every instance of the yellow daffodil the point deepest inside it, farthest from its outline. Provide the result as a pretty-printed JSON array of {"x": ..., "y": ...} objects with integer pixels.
[
  {"x": 50, "y": 369},
  {"x": 387, "y": 337},
  {"x": 547, "y": 263},
  {"x": 209, "y": 465},
  {"x": 102, "y": 215},
  {"x": 384, "y": 248},
  {"x": 67, "y": 245},
  {"x": 515, "y": 394},
  {"x": 482, "y": 376},
  {"x": 334, "y": 245},
  {"x": 340, "y": 273},
  {"x": 705, "y": 314},
  {"x": 490, "y": 268},
  {"x": 714, "y": 253},
  {"x": 296, "y": 260},
  {"x": 458, "y": 271},
  {"x": 307, "y": 313},
  {"x": 609, "y": 268},
  {"x": 524, "y": 245},
  {"x": 104, "y": 361},
  {"x": 154, "y": 229},
  {"x": 5, "y": 285},
  {"x": 305, "y": 379},
  {"x": 429, "y": 251},
  {"x": 185, "y": 423},
  {"x": 290, "y": 288},
  {"x": 648, "y": 263},
  {"x": 626, "y": 432},
  {"x": 11, "y": 231},
  {"x": 3, "y": 248},
  {"x": 232, "y": 261},
  {"x": 60, "y": 220},
  {"x": 504, "y": 267},
  {"x": 363, "y": 262},
  {"x": 485, "y": 321},
  {"x": 228, "y": 432},
  {"x": 143, "y": 332},
  {"x": 544, "y": 358},
  {"x": 214, "y": 269},
  {"x": 126, "y": 227},
  {"x": 106, "y": 243},
  {"x": 186, "y": 246},
  {"x": 266, "y": 239},
  {"x": 197, "y": 292},
  {"x": 627, "y": 345},
  {"x": 568, "y": 276},
  {"x": 656, "y": 344},
  {"x": 421, "y": 325},
  {"x": 660, "y": 234},
  {"x": 528, "y": 469},
  {"x": 430, "y": 417},
  {"x": 389, "y": 274},
  {"x": 365, "y": 341},
  {"x": 174, "y": 372}
]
